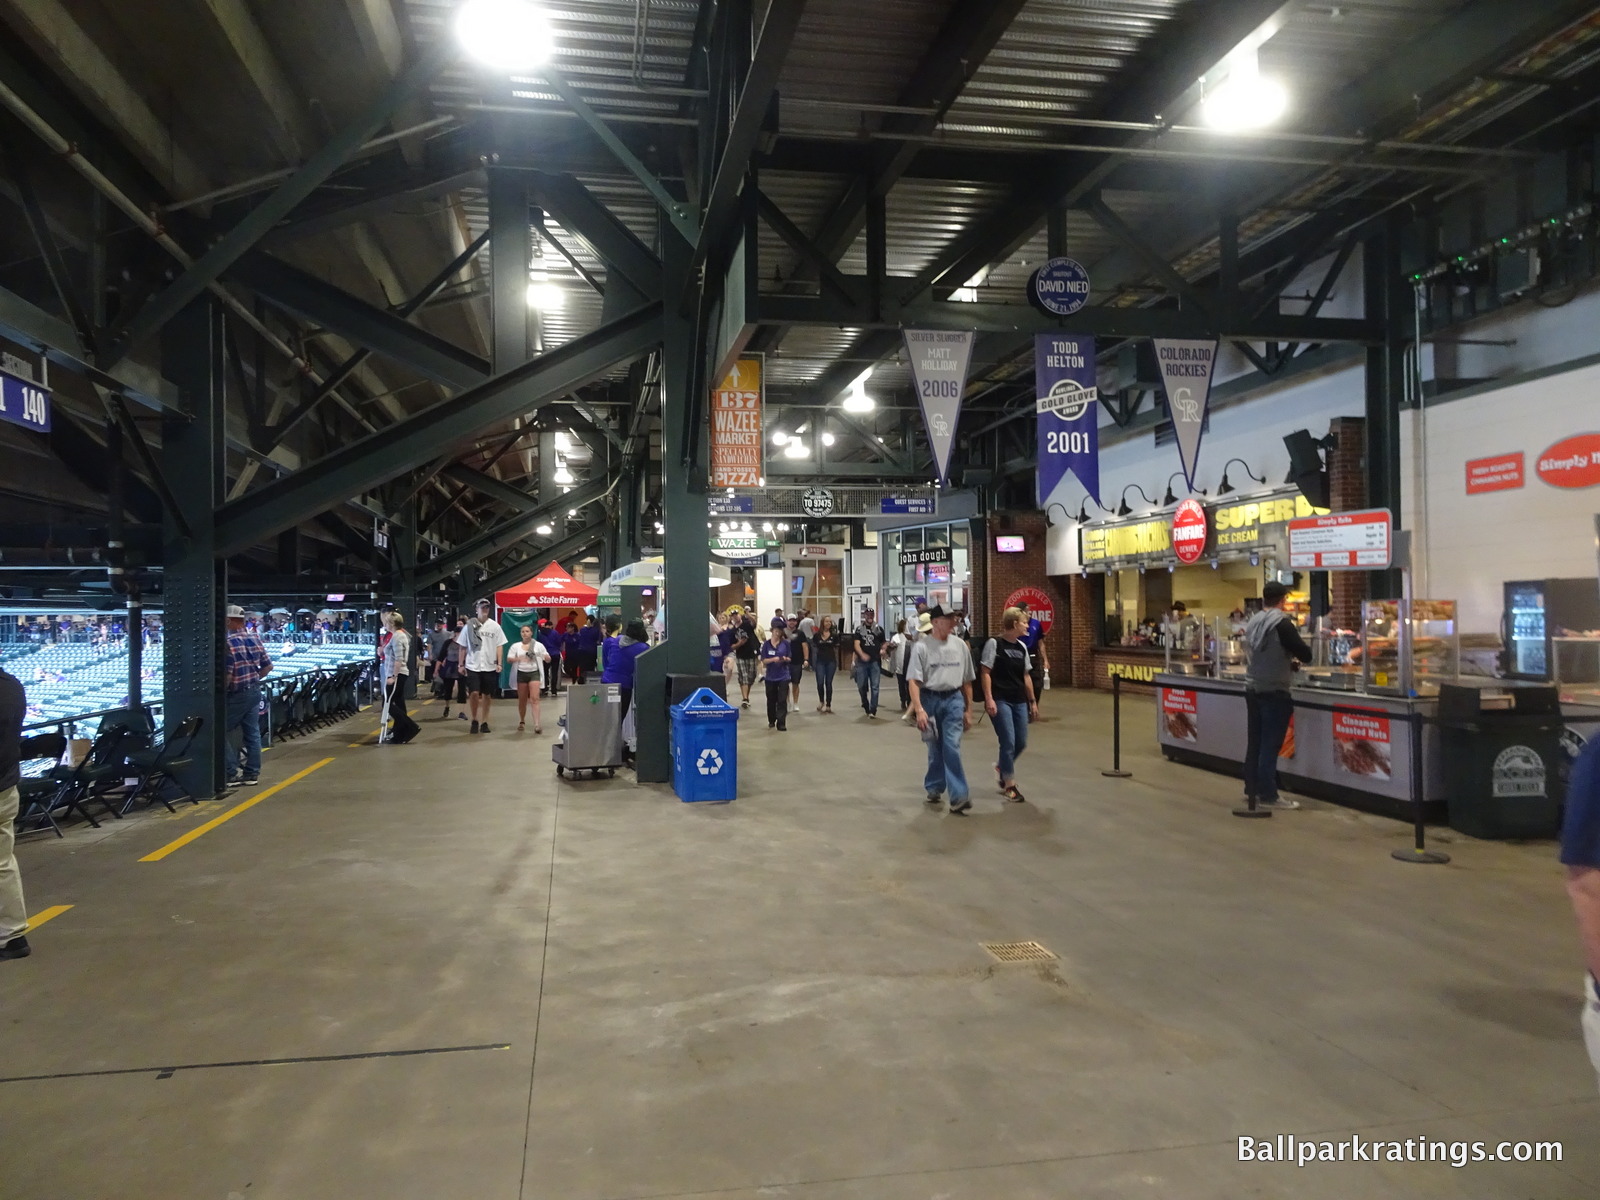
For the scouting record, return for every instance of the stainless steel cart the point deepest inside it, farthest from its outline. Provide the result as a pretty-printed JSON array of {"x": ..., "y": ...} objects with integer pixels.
[{"x": 591, "y": 731}]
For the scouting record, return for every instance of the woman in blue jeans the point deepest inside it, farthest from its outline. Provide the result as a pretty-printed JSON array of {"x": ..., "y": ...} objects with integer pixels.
[
  {"x": 1008, "y": 697},
  {"x": 825, "y": 662}
]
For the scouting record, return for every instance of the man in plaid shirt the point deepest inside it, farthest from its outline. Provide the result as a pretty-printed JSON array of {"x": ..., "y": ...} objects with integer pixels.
[{"x": 247, "y": 666}]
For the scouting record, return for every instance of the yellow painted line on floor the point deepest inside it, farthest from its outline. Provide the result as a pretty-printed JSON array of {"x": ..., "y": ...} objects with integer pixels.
[
  {"x": 183, "y": 841},
  {"x": 49, "y": 914}
]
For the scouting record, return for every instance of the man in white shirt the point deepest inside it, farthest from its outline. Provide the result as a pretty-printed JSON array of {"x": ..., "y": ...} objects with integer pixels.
[
  {"x": 483, "y": 644},
  {"x": 940, "y": 677}
]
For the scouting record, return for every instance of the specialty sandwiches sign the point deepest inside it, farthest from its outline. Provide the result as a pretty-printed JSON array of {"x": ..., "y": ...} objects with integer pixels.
[{"x": 737, "y": 439}]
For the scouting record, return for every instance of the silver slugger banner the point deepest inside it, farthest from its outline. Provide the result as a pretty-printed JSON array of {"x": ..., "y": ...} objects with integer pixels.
[
  {"x": 939, "y": 362},
  {"x": 1186, "y": 370}
]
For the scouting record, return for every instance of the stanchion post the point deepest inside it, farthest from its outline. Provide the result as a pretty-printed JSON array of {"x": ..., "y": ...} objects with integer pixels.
[
  {"x": 1116, "y": 771},
  {"x": 1419, "y": 853}
]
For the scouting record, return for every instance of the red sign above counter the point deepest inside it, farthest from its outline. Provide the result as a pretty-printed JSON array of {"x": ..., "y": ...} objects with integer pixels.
[
  {"x": 1498, "y": 474},
  {"x": 1573, "y": 462},
  {"x": 1189, "y": 532}
]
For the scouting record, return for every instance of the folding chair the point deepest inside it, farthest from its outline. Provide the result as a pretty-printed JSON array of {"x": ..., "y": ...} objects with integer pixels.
[
  {"x": 155, "y": 764},
  {"x": 38, "y": 793}
]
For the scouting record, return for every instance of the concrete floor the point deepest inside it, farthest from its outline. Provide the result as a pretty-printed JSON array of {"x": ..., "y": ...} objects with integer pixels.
[{"x": 781, "y": 997}]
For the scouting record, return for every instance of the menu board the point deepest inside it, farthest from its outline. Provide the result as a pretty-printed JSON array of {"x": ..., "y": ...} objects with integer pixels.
[{"x": 1342, "y": 541}]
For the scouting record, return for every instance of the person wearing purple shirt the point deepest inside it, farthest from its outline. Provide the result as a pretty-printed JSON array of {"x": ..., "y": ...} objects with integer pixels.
[{"x": 775, "y": 661}]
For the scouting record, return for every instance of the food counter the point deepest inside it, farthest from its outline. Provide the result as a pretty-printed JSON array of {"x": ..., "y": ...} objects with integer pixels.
[{"x": 1360, "y": 753}]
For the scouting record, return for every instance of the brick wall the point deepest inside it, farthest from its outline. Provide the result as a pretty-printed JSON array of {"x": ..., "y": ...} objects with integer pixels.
[
  {"x": 1005, "y": 573},
  {"x": 1085, "y": 605},
  {"x": 1347, "y": 490}
]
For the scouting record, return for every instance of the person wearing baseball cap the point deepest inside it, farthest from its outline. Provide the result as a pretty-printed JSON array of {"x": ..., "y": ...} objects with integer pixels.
[
  {"x": 247, "y": 665},
  {"x": 941, "y": 678},
  {"x": 868, "y": 647},
  {"x": 483, "y": 644}
]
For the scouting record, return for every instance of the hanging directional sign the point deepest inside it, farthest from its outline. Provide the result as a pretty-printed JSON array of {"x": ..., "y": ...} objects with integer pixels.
[
  {"x": 25, "y": 403},
  {"x": 1186, "y": 370},
  {"x": 939, "y": 361},
  {"x": 738, "y": 457}
]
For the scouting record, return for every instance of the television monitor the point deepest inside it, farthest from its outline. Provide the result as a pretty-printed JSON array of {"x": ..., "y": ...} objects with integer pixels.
[
  {"x": 335, "y": 597},
  {"x": 1006, "y": 543},
  {"x": 799, "y": 584}
]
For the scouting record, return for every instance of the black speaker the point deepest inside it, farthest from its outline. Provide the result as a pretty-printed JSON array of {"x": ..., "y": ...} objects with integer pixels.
[{"x": 1306, "y": 470}]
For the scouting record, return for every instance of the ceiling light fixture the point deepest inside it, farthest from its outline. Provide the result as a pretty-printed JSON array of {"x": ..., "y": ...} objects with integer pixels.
[
  {"x": 779, "y": 437},
  {"x": 1242, "y": 99},
  {"x": 544, "y": 530},
  {"x": 828, "y": 439},
  {"x": 506, "y": 35},
  {"x": 562, "y": 475},
  {"x": 562, "y": 441},
  {"x": 796, "y": 449},
  {"x": 544, "y": 296}
]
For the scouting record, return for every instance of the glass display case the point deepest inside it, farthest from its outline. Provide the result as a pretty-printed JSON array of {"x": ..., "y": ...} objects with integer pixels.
[
  {"x": 1408, "y": 654},
  {"x": 1188, "y": 644},
  {"x": 1575, "y": 663}
]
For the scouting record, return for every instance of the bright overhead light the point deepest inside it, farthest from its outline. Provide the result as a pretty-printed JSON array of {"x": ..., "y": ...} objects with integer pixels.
[
  {"x": 562, "y": 441},
  {"x": 802, "y": 427},
  {"x": 827, "y": 439},
  {"x": 544, "y": 531},
  {"x": 508, "y": 35},
  {"x": 766, "y": 527},
  {"x": 572, "y": 512},
  {"x": 1243, "y": 100},
  {"x": 562, "y": 475},
  {"x": 544, "y": 296},
  {"x": 779, "y": 437},
  {"x": 881, "y": 442},
  {"x": 796, "y": 449},
  {"x": 856, "y": 399},
  {"x": 746, "y": 527}
]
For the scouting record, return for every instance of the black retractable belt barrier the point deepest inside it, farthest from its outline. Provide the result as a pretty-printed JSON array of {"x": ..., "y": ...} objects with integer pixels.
[{"x": 1116, "y": 771}]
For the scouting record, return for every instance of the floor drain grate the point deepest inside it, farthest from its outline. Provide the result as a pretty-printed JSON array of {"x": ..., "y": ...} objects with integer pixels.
[{"x": 1011, "y": 952}]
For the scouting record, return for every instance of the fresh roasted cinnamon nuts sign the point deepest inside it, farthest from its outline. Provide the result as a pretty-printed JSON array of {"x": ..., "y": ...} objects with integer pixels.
[
  {"x": 1500, "y": 473},
  {"x": 1573, "y": 462}
]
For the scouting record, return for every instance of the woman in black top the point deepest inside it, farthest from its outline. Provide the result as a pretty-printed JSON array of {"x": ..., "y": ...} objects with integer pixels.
[
  {"x": 825, "y": 662},
  {"x": 1008, "y": 696}
]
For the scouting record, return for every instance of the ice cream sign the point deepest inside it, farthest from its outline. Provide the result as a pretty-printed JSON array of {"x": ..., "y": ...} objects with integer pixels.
[{"x": 1573, "y": 462}]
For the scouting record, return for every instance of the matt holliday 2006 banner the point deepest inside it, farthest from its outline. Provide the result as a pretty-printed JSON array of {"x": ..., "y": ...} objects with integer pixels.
[
  {"x": 939, "y": 361},
  {"x": 1067, "y": 388}
]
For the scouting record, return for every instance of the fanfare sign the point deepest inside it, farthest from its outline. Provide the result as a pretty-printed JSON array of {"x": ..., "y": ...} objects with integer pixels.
[
  {"x": 738, "y": 457},
  {"x": 25, "y": 403},
  {"x": 1354, "y": 541}
]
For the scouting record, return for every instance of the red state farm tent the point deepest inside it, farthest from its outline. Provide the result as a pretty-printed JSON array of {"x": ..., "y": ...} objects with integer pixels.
[{"x": 550, "y": 588}]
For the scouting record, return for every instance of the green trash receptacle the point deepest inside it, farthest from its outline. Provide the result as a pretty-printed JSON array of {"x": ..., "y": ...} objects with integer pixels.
[{"x": 1501, "y": 766}]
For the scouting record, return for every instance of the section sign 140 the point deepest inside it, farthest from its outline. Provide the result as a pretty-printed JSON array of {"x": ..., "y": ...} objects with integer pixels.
[{"x": 25, "y": 403}]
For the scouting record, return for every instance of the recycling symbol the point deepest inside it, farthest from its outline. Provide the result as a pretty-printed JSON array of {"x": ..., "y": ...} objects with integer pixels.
[{"x": 709, "y": 762}]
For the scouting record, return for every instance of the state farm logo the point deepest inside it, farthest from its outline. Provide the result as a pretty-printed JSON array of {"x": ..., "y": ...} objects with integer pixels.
[{"x": 1573, "y": 462}]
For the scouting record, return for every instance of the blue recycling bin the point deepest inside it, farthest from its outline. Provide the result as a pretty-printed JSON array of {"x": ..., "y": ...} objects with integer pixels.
[{"x": 705, "y": 746}]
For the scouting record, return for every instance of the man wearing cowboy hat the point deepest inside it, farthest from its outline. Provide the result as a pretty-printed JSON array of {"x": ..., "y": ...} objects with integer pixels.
[{"x": 248, "y": 665}]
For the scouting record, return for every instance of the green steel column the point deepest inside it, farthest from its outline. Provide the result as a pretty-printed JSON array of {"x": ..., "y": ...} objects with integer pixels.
[
  {"x": 1386, "y": 301},
  {"x": 194, "y": 582},
  {"x": 683, "y": 492}
]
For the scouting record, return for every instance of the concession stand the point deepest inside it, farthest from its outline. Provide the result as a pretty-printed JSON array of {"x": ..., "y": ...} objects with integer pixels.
[{"x": 1213, "y": 556}]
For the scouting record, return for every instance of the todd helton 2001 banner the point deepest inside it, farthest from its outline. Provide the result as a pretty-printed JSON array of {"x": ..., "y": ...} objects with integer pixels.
[{"x": 1068, "y": 393}]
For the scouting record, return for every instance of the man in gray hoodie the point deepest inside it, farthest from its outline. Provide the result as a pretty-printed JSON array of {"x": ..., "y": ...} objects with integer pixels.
[{"x": 1272, "y": 646}]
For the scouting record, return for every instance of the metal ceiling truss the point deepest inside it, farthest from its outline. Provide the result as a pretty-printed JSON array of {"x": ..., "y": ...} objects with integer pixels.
[
  {"x": 566, "y": 551},
  {"x": 510, "y": 532}
]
